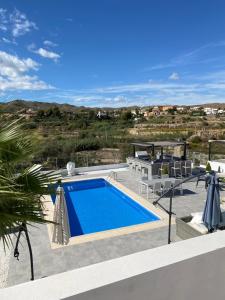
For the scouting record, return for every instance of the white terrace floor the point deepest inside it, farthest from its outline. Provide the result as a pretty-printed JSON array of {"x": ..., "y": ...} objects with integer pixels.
[{"x": 48, "y": 261}]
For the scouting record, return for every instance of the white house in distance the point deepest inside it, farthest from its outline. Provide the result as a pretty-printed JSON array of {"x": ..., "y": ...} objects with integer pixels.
[
  {"x": 210, "y": 111},
  {"x": 195, "y": 108}
]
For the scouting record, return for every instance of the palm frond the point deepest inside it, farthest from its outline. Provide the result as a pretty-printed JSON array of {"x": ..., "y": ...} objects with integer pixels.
[
  {"x": 20, "y": 193},
  {"x": 14, "y": 146}
]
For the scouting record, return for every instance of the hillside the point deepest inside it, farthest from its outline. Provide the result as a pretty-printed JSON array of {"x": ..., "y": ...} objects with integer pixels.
[{"x": 17, "y": 105}]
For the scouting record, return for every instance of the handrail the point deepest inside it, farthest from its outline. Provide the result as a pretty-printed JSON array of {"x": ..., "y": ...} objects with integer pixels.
[{"x": 170, "y": 192}]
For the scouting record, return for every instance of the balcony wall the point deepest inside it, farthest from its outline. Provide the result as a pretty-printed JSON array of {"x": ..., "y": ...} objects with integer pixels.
[{"x": 190, "y": 269}]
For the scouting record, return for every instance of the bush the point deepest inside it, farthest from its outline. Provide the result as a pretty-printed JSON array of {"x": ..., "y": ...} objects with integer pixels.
[
  {"x": 87, "y": 144},
  {"x": 195, "y": 139},
  {"x": 208, "y": 167},
  {"x": 30, "y": 125}
]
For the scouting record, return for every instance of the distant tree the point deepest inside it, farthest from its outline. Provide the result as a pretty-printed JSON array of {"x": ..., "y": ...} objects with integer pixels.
[
  {"x": 91, "y": 115},
  {"x": 53, "y": 113},
  {"x": 40, "y": 114},
  {"x": 171, "y": 111},
  {"x": 127, "y": 116}
]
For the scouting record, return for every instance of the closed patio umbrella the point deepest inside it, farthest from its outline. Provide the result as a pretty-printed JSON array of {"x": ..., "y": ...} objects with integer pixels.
[
  {"x": 61, "y": 230},
  {"x": 212, "y": 214}
]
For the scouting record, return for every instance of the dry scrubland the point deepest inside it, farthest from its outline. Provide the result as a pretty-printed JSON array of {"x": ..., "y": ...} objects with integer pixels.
[{"x": 64, "y": 132}]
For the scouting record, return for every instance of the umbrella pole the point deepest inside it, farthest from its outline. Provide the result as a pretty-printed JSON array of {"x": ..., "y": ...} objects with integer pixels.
[
  {"x": 170, "y": 217},
  {"x": 23, "y": 227}
]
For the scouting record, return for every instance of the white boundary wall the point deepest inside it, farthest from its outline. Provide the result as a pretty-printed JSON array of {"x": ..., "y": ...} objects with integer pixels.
[
  {"x": 188, "y": 270},
  {"x": 215, "y": 165},
  {"x": 96, "y": 168}
]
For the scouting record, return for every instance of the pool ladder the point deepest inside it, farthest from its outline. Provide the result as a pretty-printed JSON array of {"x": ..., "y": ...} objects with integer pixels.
[{"x": 112, "y": 175}]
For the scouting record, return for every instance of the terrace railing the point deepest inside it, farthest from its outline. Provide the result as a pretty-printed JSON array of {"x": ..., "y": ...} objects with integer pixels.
[{"x": 170, "y": 193}]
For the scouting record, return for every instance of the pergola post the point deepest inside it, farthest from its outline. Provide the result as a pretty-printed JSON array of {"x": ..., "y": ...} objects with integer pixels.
[
  {"x": 161, "y": 148},
  {"x": 153, "y": 150},
  {"x": 209, "y": 153},
  {"x": 133, "y": 150},
  {"x": 185, "y": 150}
]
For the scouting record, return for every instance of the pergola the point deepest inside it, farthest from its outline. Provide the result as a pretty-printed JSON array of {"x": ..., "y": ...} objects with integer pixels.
[
  {"x": 210, "y": 144},
  {"x": 161, "y": 145}
]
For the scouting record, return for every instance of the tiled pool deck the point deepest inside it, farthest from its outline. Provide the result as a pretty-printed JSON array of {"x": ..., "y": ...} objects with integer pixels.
[{"x": 49, "y": 261}]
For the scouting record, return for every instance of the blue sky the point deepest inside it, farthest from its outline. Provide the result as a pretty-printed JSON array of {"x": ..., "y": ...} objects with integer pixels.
[{"x": 113, "y": 52}]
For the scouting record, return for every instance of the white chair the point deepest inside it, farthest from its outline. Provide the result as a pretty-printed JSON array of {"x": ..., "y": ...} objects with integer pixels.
[
  {"x": 70, "y": 166},
  {"x": 143, "y": 183},
  {"x": 113, "y": 175},
  {"x": 166, "y": 186},
  {"x": 179, "y": 187},
  {"x": 177, "y": 169},
  {"x": 187, "y": 168},
  {"x": 155, "y": 189}
]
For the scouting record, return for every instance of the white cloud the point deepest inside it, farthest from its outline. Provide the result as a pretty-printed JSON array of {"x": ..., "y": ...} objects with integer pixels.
[
  {"x": 174, "y": 76},
  {"x": 31, "y": 47},
  {"x": 47, "y": 54},
  {"x": 20, "y": 23},
  {"x": 151, "y": 93},
  {"x": 196, "y": 56},
  {"x": 14, "y": 73},
  {"x": 7, "y": 41},
  {"x": 120, "y": 100},
  {"x": 16, "y": 23},
  {"x": 49, "y": 44},
  {"x": 43, "y": 52},
  {"x": 3, "y": 19}
]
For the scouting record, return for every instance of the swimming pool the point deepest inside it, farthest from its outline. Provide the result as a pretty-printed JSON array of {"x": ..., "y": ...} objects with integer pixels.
[{"x": 95, "y": 205}]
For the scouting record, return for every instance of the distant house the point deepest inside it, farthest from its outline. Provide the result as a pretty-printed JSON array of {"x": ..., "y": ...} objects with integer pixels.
[
  {"x": 102, "y": 114},
  {"x": 30, "y": 112},
  {"x": 116, "y": 113},
  {"x": 195, "y": 108},
  {"x": 136, "y": 112},
  {"x": 156, "y": 111},
  {"x": 166, "y": 108},
  {"x": 147, "y": 114},
  {"x": 27, "y": 113},
  {"x": 210, "y": 111},
  {"x": 181, "y": 108}
]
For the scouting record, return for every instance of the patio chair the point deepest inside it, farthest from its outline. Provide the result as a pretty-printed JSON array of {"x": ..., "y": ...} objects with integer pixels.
[
  {"x": 166, "y": 186},
  {"x": 155, "y": 189},
  {"x": 179, "y": 187},
  {"x": 187, "y": 168},
  {"x": 132, "y": 166},
  {"x": 136, "y": 166},
  {"x": 177, "y": 169},
  {"x": 203, "y": 179},
  {"x": 144, "y": 182}
]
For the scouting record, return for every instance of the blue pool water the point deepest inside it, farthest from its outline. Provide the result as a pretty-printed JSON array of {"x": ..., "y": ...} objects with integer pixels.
[{"x": 95, "y": 205}]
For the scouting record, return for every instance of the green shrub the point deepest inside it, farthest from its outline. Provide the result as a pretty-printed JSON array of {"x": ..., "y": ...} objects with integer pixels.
[{"x": 208, "y": 167}]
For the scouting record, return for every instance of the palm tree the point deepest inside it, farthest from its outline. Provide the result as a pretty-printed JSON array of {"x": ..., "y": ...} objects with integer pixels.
[{"x": 21, "y": 189}]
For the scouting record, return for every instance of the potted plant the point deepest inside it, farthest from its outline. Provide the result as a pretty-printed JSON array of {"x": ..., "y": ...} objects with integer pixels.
[
  {"x": 165, "y": 171},
  {"x": 208, "y": 167}
]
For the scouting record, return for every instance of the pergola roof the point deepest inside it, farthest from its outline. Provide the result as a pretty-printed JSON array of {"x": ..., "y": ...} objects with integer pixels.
[
  {"x": 217, "y": 141},
  {"x": 159, "y": 144}
]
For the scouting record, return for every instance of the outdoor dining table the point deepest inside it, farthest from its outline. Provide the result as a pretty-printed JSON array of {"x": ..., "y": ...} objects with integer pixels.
[{"x": 151, "y": 182}]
